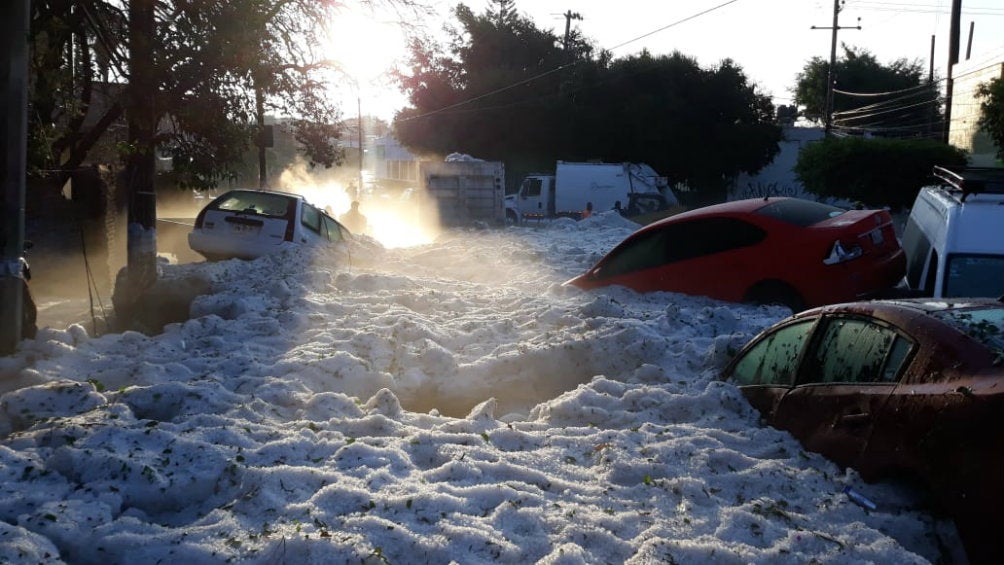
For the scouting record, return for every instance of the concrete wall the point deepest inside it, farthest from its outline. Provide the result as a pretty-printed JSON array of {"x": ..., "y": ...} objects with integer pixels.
[{"x": 778, "y": 178}]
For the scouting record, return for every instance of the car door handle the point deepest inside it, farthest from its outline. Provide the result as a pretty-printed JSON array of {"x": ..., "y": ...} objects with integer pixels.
[{"x": 853, "y": 420}]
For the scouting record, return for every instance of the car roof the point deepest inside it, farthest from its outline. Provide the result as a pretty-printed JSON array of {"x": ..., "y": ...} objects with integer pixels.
[
  {"x": 736, "y": 207},
  {"x": 263, "y": 191},
  {"x": 746, "y": 206},
  {"x": 917, "y": 305},
  {"x": 966, "y": 318}
]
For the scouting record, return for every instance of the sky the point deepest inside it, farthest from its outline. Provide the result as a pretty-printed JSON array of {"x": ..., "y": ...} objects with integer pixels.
[
  {"x": 450, "y": 402},
  {"x": 770, "y": 39}
]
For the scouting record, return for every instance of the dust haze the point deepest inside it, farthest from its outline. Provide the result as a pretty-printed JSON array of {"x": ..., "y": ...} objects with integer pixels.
[{"x": 395, "y": 218}]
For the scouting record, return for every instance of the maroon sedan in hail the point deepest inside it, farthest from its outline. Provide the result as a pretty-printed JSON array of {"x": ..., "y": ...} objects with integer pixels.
[
  {"x": 911, "y": 388},
  {"x": 789, "y": 251}
]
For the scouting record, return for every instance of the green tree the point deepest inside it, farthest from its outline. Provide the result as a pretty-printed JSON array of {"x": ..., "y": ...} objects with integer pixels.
[
  {"x": 992, "y": 112},
  {"x": 491, "y": 92},
  {"x": 695, "y": 125},
  {"x": 210, "y": 61},
  {"x": 509, "y": 91},
  {"x": 890, "y": 100},
  {"x": 876, "y": 172}
]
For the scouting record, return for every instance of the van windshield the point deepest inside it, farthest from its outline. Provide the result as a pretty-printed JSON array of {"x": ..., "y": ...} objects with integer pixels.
[{"x": 970, "y": 275}]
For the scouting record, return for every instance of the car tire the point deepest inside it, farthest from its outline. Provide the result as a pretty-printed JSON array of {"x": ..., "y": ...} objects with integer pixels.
[{"x": 775, "y": 292}]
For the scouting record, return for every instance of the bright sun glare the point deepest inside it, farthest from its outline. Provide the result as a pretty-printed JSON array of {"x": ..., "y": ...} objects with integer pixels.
[
  {"x": 404, "y": 221},
  {"x": 364, "y": 46}
]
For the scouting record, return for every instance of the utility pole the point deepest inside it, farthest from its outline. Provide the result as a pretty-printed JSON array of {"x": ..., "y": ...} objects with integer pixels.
[
  {"x": 831, "y": 72},
  {"x": 569, "y": 16},
  {"x": 141, "y": 231},
  {"x": 953, "y": 57},
  {"x": 13, "y": 153}
]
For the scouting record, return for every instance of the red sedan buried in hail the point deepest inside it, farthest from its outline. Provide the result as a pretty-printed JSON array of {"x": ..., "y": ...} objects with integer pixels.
[
  {"x": 789, "y": 251},
  {"x": 908, "y": 388}
]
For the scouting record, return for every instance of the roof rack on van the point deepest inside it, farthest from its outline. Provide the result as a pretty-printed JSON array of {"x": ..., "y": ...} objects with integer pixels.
[{"x": 972, "y": 180}]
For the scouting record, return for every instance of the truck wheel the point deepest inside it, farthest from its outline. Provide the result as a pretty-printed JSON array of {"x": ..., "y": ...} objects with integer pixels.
[
  {"x": 511, "y": 218},
  {"x": 775, "y": 292}
]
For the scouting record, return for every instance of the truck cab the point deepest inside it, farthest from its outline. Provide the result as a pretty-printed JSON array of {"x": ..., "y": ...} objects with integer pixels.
[
  {"x": 632, "y": 188},
  {"x": 534, "y": 199}
]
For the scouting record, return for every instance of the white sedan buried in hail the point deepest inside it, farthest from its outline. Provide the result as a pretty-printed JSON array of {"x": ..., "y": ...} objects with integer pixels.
[{"x": 247, "y": 224}]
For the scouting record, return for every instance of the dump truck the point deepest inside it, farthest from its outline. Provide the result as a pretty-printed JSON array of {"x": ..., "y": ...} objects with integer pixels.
[{"x": 465, "y": 190}]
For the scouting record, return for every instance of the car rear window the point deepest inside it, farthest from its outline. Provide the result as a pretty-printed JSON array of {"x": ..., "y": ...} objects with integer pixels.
[
  {"x": 262, "y": 203},
  {"x": 985, "y": 325},
  {"x": 802, "y": 213}
]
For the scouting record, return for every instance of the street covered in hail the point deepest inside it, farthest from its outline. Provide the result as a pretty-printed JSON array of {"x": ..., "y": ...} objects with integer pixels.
[{"x": 446, "y": 402}]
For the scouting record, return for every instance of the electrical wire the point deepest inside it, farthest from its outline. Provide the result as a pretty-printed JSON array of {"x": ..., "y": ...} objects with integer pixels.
[
  {"x": 561, "y": 67},
  {"x": 889, "y": 93}
]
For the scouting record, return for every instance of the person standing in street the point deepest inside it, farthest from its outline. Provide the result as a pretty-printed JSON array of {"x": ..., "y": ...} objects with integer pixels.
[{"x": 354, "y": 219}]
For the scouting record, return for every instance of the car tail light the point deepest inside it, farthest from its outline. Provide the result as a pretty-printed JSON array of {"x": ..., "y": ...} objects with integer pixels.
[{"x": 841, "y": 252}]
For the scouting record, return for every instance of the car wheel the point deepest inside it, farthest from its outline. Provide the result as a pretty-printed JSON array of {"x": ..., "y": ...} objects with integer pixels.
[{"x": 775, "y": 292}]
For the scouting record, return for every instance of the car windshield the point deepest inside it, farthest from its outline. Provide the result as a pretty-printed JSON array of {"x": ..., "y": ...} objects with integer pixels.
[
  {"x": 985, "y": 325},
  {"x": 802, "y": 213},
  {"x": 974, "y": 275},
  {"x": 262, "y": 203}
]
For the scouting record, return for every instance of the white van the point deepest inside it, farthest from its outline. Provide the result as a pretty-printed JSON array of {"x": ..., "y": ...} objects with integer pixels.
[{"x": 954, "y": 237}]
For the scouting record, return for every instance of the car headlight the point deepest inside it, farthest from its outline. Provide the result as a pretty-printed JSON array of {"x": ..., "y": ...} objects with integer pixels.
[{"x": 840, "y": 253}]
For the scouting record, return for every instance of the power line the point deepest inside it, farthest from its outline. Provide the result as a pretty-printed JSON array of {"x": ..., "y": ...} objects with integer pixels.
[
  {"x": 562, "y": 67},
  {"x": 890, "y": 93},
  {"x": 925, "y": 8}
]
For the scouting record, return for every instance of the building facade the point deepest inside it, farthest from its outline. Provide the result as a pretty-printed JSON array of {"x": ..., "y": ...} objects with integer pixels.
[{"x": 964, "y": 131}]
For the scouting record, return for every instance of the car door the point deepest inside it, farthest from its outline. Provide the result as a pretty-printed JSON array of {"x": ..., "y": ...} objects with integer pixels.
[
  {"x": 847, "y": 374},
  {"x": 766, "y": 369},
  {"x": 697, "y": 257}
]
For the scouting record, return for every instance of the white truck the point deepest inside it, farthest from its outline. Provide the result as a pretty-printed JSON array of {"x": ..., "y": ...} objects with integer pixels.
[
  {"x": 465, "y": 190},
  {"x": 634, "y": 188}
]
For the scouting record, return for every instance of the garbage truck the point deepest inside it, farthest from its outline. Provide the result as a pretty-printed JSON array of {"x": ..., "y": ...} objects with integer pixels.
[
  {"x": 632, "y": 188},
  {"x": 465, "y": 190}
]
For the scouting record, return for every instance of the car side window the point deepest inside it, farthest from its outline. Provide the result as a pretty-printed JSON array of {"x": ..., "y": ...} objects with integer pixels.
[
  {"x": 311, "y": 218},
  {"x": 774, "y": 359},
  {"x": 679, "y": 242},
  {"x": 642, "y": 252},
  {"x": 708, "y": 236},
  {"x": 333, "y": 229},
  {"x": 853, "y": 350}
]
